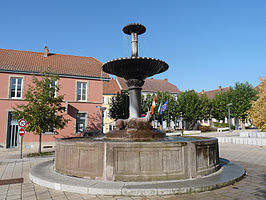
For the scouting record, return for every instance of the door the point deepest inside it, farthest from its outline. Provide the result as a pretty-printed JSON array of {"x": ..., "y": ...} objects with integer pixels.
[{"x": 12, "y": 132}]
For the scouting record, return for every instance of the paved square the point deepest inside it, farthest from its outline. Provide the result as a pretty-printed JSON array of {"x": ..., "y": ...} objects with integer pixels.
[{"x": 253, "y": 186}]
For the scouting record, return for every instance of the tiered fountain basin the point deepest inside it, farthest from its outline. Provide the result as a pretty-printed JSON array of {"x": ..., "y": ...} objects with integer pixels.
[{"x": 167, "y": 158}]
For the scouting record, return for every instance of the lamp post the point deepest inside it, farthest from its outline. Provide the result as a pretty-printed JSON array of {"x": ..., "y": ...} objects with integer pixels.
[
  {"x": 102, "y": 109},
  {"x": 229, "y": 119}
]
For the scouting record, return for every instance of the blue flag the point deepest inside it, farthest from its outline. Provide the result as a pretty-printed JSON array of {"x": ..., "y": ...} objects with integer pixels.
[{"x": 164, "y": 107}]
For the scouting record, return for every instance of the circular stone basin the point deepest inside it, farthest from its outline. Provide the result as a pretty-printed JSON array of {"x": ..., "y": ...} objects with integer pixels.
[{"x": 170, "y": 158}]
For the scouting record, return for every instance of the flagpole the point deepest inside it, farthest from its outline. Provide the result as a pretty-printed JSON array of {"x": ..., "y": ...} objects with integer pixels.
[
  {"x": 154, "y": 120},
  {"x": 168, "y": 117}
]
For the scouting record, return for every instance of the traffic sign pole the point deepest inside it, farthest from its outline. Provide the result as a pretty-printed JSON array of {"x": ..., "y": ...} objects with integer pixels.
[
  {"x": 22, "y": 124},
  {"x": 21, "y": 145}
]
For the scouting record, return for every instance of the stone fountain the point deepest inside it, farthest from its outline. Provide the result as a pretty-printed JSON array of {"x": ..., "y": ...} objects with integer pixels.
[
  {"x": 135, "y": 151},
  {"x": 135, "y": 159}
]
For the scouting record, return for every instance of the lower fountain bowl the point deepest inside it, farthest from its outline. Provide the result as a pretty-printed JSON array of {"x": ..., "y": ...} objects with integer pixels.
[{"x": 170, "y": 158}]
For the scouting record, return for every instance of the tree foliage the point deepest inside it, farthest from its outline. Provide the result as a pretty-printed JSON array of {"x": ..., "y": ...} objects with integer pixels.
[
  {"x": 44, "y": 110},
  {"x": 257, "y": 112},
  {"x": 119, "y": 107},
  {"x": 242, "y": 96},
  {"x": 219, "y": 108},
  {"x": 192, "y": 107}
]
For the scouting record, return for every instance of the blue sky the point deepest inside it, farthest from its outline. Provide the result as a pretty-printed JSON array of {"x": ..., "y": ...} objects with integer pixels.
[{"x": 206, "y": 43}]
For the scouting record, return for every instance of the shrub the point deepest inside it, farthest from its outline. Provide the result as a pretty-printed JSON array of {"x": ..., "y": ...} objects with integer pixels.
[{"x": 205, "y": 128}]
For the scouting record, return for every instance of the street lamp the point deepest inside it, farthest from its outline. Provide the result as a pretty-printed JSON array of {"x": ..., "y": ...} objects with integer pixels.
[
  {"x": 229, "y": 119},
  {"x": 102, "y": 109}
]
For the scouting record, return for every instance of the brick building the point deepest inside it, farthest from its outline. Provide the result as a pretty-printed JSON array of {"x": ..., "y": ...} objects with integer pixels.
[{"x": 80, "y": 81}]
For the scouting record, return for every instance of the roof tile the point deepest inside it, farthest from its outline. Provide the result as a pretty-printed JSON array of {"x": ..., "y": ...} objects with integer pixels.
[
  {"x": 153, "y": 85},
  {"x": 110, "y": 87},
  {"x": 26, "y": 61}
]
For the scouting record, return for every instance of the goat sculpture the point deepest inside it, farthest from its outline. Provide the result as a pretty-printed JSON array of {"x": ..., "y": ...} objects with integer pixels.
[{"x": 135, "y": 123}]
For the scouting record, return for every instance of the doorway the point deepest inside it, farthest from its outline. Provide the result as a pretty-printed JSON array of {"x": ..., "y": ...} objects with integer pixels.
[{"x": 12, "y": 132}]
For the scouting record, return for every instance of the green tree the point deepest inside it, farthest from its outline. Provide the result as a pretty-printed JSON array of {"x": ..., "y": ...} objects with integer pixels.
[
  {"x": 205, "y": 106},
  {"x": 192, "y": 107},
  {"x": 242, "y": 96},
  {"x": 119, "y": 107},
  {"x": 219, "y": 109},
  {"x": 43, "y": 110}
]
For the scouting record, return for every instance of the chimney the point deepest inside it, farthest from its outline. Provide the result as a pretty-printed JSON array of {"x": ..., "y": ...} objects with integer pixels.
[
  {"x": 46, "y": 51},
  {"x": 220, "y": 88},
  {"x": 166, "y": 79},
  {"x": 202, "y": 91}
]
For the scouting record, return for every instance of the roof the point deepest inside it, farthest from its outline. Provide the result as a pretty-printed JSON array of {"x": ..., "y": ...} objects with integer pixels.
[
  {"x": 152, "y": 85},
  {"x": 211, "y": 93},
  {"x": 63, "y": 65},
  {"x": 110, "y": 87}
]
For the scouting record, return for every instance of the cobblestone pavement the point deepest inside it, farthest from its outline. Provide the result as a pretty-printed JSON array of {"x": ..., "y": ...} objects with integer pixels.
[{"x": 253, "y": 186}]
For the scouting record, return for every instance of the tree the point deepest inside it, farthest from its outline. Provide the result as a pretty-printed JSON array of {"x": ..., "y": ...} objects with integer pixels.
[
  {"x": 43, "y": 110},
  {"x": 257, "y": 112},
  {"x": 242, "y": 95},
  {"x": 219, "y": 104},
  {"x": 205, "y": 106},
  {"x": 192, "y": 107},
  {"x": 119, "y": 107}
]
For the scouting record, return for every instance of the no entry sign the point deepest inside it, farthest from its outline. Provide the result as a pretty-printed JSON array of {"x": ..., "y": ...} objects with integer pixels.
[
  {"x": 21, "y": 131},
  {"x": 22, "y": 123}
]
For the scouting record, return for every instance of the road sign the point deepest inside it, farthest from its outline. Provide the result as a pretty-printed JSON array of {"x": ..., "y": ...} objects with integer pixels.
[
  {"x": 22, "y": 123},
  {"x": 21, "y": 131}
]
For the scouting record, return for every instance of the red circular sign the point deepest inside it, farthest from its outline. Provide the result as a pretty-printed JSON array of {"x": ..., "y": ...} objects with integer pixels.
[
  {"x": 21, "y": 132},
  {"x": 22, "y": 123}
]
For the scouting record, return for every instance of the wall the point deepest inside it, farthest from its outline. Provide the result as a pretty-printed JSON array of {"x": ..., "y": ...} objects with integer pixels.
[{"x": 68, "y": 88}]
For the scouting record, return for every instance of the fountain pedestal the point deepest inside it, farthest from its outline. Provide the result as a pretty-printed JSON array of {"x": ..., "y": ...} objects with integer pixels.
[{"x": 134, "y": 91}]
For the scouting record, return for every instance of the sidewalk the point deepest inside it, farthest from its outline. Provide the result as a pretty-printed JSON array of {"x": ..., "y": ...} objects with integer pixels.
[{"x": 253, "y": 158}]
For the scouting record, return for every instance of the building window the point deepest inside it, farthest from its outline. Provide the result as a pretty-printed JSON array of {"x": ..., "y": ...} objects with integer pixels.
[
  {"x": 81, "y": 91},
  {"x": 106, "y": 100},
  {"x": 106, "y": 114},
  {"x": 111, "y": 127},
  {"x": 16, "y": 87},
  {"x": 81, "y": 122},
  {"x": 53, "y": 84}
]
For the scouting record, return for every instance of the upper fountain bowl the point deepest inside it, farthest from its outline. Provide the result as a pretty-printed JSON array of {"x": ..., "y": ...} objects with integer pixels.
[
  {"x": 134, "y": 28},
  {"x": 135, "y": 68}
]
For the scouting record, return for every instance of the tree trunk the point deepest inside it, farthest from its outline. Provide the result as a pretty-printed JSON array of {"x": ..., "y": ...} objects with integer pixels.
[
  {"x": 243, "y": 125},
  {"x": 40, "y": 143}
]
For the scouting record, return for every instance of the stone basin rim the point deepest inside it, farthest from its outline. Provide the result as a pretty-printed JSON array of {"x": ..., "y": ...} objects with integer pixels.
[{"x": 103, "y": 139}]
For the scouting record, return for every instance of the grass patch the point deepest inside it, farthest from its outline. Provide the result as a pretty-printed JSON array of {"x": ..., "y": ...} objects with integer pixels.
[{"x": 48, "y": 153}]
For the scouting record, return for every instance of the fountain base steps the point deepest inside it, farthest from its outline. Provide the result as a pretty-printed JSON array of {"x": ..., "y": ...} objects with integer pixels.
[{"x": 44, "y": 174}]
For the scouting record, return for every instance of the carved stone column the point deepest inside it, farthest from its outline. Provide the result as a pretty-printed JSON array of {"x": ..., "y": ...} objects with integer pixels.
[{"x": 134, "y": 90}]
